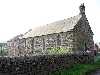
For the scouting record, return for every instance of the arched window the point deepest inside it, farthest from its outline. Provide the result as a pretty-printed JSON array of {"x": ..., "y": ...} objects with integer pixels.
[{"x": 58, "y": 40}]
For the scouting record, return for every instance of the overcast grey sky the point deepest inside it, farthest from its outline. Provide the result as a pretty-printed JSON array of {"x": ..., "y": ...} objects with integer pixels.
[{"x": 18, "y": 16}]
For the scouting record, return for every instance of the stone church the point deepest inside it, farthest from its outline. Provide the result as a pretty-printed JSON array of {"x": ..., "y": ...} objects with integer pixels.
[{"x": 74, "y": 34}]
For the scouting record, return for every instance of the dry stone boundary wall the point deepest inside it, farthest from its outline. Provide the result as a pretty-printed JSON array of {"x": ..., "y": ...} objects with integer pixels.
[{"x": 41, "y": 64}]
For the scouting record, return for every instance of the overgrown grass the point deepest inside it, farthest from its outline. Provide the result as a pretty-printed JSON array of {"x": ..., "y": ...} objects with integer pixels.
[{"x": 79, "y": 69}]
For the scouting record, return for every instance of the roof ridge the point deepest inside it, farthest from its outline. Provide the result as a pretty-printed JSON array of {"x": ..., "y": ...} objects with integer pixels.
[
  {"x": 56, "y": 22},
  {"x": 55, "y": 27}
]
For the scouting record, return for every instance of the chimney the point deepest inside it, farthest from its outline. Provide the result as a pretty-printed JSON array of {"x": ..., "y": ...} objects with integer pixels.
[{"x": 82, "y": 9}]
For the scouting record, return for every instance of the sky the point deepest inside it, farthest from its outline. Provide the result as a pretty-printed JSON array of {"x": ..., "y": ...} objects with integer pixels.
[{"x": 19, "y": 16}]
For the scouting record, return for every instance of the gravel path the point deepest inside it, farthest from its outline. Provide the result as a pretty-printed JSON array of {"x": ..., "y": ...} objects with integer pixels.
[
  {"x": 98, "y": 72},
  {"x": 96, "y": 58},
  {"x": 94, "y": 72}
]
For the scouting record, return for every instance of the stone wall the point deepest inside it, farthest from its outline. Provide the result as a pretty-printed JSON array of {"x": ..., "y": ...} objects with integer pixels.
[
  {"x": 11, "y": 48},
  {"x": 17, "y": 47},
  {"x": 29, "y": 45},
  {"x": 40, "y": 44},
  {"x": 22, "y": 46},
  {"x": 42, "y": 64},
  {"x": 51, "y": 41},
  {"x": 67, "y": 40},
  {"x": 83, "y": 34}
]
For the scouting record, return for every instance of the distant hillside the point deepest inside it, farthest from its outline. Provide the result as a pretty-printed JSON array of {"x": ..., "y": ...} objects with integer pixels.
[{"x": 3, "y": 44}]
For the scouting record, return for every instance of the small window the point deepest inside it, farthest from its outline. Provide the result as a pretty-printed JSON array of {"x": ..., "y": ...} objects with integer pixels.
[
  {"x": 33, "y": 44},
  {"x": 58, "y": 40},
  {"x": 25, "y": 43},
  {"x": 43, "y": 43},
  {"x": 9, "y": 44},
  {"x": 14, "y": 44}
]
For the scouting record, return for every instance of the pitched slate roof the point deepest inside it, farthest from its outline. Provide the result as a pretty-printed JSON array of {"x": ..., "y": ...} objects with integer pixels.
[{"x": 56, "y": 27}]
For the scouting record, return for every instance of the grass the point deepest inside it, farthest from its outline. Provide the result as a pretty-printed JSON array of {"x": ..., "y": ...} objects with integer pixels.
[
  {"x": 79, "y": 69},
  {"x": 98, "y": 54}
]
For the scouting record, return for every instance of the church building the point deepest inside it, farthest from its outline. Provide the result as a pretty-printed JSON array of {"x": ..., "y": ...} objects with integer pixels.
[{"x": 74, "y": 34}]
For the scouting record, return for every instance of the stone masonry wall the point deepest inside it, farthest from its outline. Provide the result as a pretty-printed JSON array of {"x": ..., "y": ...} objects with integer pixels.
[
  {"x": 83, "y": 34},
  {"x": 42, "y": 64},
  {"x": 51, "y": 41},
  {"x": 9, "y": 47},
  {"x": 17, "y": 49},
  {"x": 22, "y": 46},
  {"x": 42, "y": 44},
  {"x": 38, "y": 45},
  {"x": 29, "y": 45},
  {"x": 67, "y": 40}
]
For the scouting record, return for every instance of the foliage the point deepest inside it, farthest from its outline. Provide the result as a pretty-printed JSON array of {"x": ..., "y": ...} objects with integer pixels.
[
  {"x": 98, "y": 54},
  {"x": 58, "y": 50}
]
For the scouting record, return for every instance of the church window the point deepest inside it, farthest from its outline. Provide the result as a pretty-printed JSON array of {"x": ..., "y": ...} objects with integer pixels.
[
  {"x": 10, "y": 44},
  {"x": 58, "y": 40},
  {"x": 25, "y": 43},
  {"x": 14, "y": 44},
  {"x": 43, "y": 43},
  {"x": 33, "y": 44}
]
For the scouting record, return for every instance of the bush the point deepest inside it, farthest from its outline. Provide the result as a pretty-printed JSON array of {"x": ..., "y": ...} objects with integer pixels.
[{"x": 58, "y": 50}]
